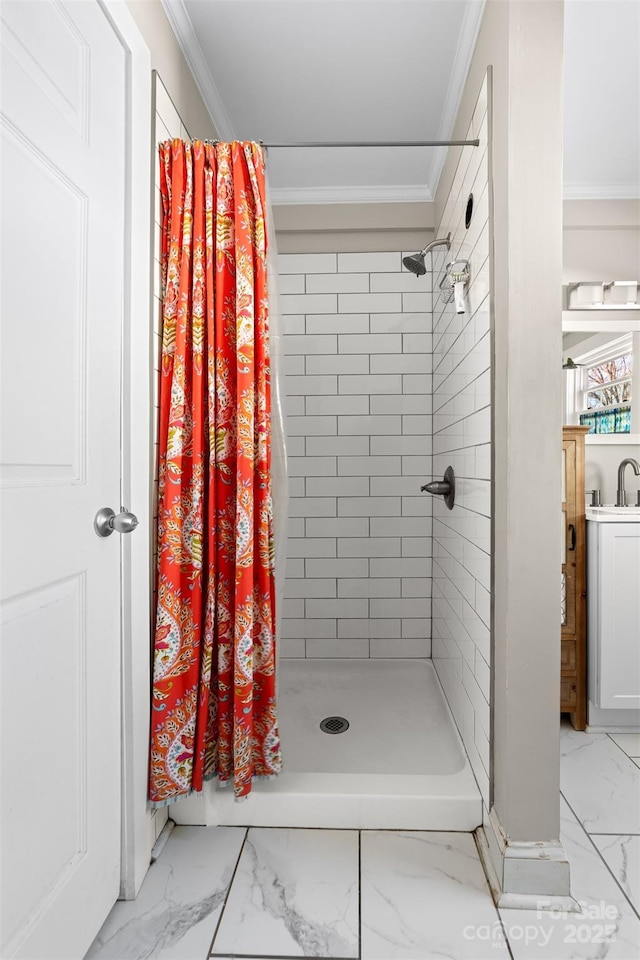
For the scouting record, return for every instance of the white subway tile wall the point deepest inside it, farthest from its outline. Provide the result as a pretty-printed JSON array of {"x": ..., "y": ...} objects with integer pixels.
[
  {"x": 461, "y": 437},
  {"x": 358, "y": 343}
]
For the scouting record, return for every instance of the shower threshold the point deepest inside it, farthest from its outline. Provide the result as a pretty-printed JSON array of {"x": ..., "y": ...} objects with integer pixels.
[{"x": 400, "y": 765}]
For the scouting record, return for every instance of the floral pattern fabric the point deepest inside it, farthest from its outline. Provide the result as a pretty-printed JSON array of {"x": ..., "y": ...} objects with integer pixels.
[{"x": 214, "y": 702}]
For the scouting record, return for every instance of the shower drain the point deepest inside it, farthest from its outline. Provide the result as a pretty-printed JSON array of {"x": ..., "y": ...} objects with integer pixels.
[{"x": 334, "y": 725}]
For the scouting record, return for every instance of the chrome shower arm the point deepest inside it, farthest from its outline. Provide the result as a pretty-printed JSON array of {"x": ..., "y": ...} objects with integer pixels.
[{"x": 441, "y": 241}]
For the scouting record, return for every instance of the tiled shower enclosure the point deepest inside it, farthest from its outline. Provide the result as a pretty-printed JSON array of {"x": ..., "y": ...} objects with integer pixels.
[
  {"x": 358, "y": 382},
  {"x": 387, "y": 386}
]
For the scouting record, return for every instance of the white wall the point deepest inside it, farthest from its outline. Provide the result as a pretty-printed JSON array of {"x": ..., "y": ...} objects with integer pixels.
[
  {"x": 168, "y": 61},
  {"x": 462, "y": 439},
  {"x": 601, "y": 470},
  {"x": 600, "y": 240},
  {"x": 353, "y": 227},
  {"x": 519, "y": 40},
  {"x": 357, "y": 335}
]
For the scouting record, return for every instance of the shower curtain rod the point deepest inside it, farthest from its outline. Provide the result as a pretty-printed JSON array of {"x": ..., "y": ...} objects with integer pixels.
[{"x": 377, "y": 143}]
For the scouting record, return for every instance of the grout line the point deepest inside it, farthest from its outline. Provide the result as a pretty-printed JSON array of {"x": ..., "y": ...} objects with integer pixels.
[
  {"x": 491, "y": 895},
  {"x": 603, "y": 833},
  {"x": 269, "y": 956},
  {"x": 224, "y": 905},
  {"x": 628, "y": 755},
  {"x": 606, "y": 865},
  {"x": 504, "y": 933},
  {"x": 324, "y": 829}
]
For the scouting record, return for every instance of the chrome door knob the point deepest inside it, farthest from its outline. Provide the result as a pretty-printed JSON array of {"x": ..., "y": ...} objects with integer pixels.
[
  {"x": 106, "y": 521},
  {"x": 125, "y": 522}
]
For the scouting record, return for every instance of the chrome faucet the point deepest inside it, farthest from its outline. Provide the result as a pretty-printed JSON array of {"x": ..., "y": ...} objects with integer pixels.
[{"x": 621, "y": 498}]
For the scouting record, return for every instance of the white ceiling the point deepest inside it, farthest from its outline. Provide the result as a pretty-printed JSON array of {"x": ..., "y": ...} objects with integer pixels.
[
  {"x": 334, "y": 70},
  {"x": 602, "y": 99},
  {"x": 277, "y": 70}
]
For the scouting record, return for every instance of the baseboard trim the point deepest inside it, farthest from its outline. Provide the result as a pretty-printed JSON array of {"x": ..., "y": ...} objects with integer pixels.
[
  {"x": 603, "y": 720},
  {"x": 612, "y": 728},
  {"x": 524, "y": 875},
  {"x": 159, "y": 845}
]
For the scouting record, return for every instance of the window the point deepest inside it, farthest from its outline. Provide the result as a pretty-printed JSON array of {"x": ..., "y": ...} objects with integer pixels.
[
  {"x": 604, "y": 388},
  {"x": 609, "y": 383}
]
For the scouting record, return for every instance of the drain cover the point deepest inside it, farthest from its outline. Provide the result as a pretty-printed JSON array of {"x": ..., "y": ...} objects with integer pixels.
[{"x": 334, "y": 725}]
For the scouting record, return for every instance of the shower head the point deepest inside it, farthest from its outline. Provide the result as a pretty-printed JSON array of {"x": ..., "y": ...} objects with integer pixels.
[{"x": 415, "y": 262}]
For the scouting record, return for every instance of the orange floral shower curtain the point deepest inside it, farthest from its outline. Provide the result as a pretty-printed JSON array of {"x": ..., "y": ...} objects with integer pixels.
[{"x": 214, "y": 705}]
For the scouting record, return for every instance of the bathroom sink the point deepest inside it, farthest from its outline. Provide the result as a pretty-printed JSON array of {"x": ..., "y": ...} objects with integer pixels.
[{"x": 611, "y": 514}]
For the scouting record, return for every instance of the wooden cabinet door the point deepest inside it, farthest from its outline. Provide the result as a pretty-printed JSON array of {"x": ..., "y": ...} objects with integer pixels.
[
  {"x": 573, "y": 693},
  {"x": 569, "y": 534}
]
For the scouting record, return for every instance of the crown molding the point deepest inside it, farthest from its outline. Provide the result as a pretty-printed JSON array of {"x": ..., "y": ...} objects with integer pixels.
[
  {"x": 601, "y": 191},
  {"x": 462, "y": 61},
  {"x": 393, "y": 193},
  {"x": 181, "y": 24}
]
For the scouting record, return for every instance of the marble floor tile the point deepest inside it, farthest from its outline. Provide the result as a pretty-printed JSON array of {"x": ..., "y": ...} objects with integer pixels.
[
  {"x": 606, "y": 927},
  {"x": 424, "y": 895},
  {"x": 295, "y": 894},
  {"x": 622, "y": 855},
  {"x": 175, "y": 914},
  {"x": 600, "y": 783},
  {"x": 629, "y": 742}
]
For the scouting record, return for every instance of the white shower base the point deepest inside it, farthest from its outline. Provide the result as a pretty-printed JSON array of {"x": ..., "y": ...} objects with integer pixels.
[{"x": 400, "y": 765}]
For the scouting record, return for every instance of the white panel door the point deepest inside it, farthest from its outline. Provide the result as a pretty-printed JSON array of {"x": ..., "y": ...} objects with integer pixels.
[{"x": 63, "y": 215}]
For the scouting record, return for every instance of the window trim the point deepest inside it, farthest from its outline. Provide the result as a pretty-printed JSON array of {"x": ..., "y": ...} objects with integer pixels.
[
  {"x": 618, "y": 347},
  {"x": 575, "y": 395}
]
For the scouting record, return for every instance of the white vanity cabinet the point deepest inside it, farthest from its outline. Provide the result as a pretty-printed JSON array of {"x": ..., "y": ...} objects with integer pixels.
[{"x": 613, "y": 608}]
